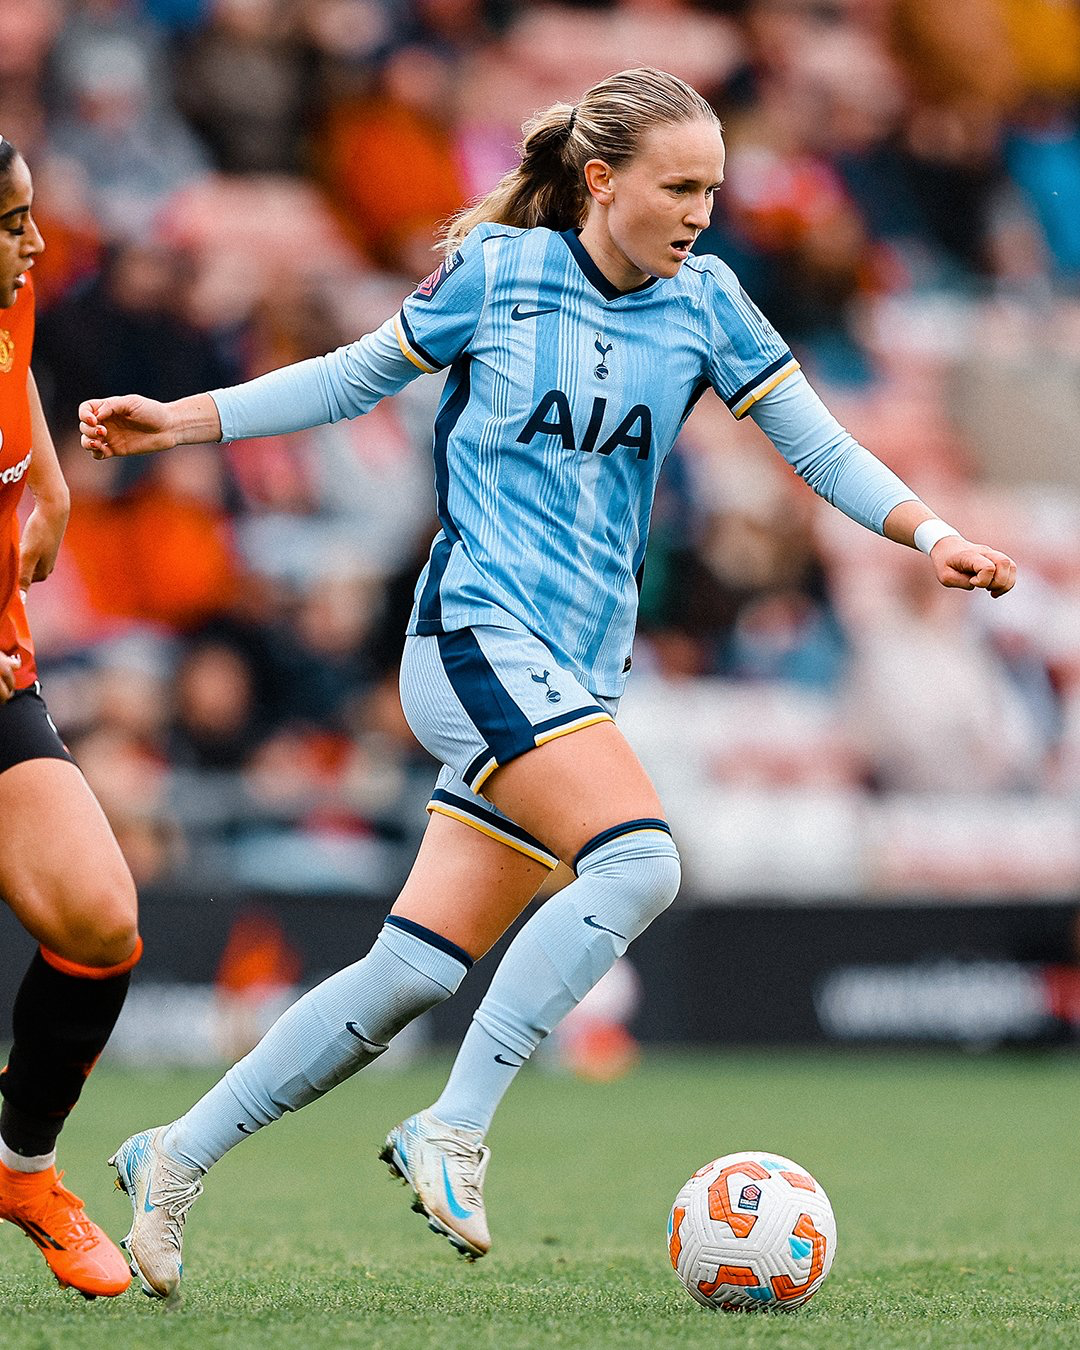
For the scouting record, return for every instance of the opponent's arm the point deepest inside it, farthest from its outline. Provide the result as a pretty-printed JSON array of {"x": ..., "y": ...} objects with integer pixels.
[
  {"x": 44, "y": 528},
  {"x": 848, "y": 476}
]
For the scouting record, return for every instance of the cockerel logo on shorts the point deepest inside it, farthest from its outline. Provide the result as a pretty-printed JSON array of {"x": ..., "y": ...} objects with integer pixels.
[{"x": 544, "y": 677}]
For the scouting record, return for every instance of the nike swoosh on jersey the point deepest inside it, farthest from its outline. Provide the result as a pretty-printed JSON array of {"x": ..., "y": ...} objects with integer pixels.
[
  {"x": 590, "y": 919},
  {"x": 508, "y": 1062},
  {"x": 518, "y": 313}
]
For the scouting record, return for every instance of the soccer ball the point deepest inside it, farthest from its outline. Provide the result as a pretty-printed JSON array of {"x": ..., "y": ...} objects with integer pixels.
[{"x": 752, "y": 1231}]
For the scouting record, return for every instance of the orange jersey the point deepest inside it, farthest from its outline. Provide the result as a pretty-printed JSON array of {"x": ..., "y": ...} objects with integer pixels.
[{"x": 16, "y": 341}]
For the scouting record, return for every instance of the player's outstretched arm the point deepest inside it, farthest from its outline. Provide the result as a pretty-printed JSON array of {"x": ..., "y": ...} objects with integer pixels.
[
  {"x": 133, "y": 425},
  {"x": 848, "y": 476},
  {"x": 956, "y": 560}
]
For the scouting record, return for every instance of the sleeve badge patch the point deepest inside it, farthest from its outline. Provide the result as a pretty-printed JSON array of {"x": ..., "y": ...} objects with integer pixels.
[{"x": 430, "y": 284}]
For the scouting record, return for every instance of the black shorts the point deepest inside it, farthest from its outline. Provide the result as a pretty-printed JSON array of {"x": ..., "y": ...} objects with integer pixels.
[{"x": 27, "y": 730}]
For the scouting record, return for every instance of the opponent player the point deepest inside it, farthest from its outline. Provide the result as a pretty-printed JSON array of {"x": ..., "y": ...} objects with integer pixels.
[
  {"x": 61, "y": 870},
  {"x": 578, "y": 331}
]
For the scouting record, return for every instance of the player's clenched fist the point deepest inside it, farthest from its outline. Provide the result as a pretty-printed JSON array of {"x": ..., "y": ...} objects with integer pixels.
[
  {"x": 133, "y": 425},
  {"x": 129, "y": 425},
  {"x": 972, "y": 567}
]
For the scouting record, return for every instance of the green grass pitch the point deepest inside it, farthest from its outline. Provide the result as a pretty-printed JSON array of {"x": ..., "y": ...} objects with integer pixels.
[{"x": 955, "y": 1180}]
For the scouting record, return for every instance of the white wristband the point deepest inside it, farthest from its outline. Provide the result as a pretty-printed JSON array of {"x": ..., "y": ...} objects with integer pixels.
[{"x": 931, "y": 532}]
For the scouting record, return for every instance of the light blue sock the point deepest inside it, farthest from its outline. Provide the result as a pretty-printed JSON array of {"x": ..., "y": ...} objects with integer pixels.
[
  {"x": 326, "y": 1036},
  {"x": 626, "y": 877}
]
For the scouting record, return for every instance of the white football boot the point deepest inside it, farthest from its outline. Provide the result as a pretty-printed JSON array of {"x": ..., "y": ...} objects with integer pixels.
[
  {"x": 161, "y": 1191},
  {"x": 445, "y": 1167}
]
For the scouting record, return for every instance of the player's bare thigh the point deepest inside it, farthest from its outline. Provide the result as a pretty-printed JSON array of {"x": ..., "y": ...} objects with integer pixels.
[
  {"x": 567, "y": 791},
  {"x": 61, "y": 869},
  {"x": 467, "y": 886}
]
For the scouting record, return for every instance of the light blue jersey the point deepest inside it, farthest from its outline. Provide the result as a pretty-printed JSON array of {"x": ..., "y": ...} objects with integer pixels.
[
  {"x": 564, "y": 397},
  {"x": 563, "y": 400}
]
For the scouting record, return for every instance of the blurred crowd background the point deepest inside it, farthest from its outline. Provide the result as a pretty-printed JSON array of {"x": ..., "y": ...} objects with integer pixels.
[{"x": 229, "y": 185}]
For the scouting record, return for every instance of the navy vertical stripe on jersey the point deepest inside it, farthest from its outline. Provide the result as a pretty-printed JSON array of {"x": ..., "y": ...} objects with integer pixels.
[
  {"x": 429, "y": 606},
  {"x": 505, "y": 728},
  {"x": 695, "y": 395},
  {"x": 455, "y": 401}
]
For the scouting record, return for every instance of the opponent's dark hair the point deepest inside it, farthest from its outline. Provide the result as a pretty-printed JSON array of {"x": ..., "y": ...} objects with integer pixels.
[
  {"x": 8, "y": 156},
  {"x": 548, "y": 186}
]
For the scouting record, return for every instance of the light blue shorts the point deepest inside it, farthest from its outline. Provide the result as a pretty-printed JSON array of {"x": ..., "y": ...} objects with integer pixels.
[{"x": 477, "y": 698}]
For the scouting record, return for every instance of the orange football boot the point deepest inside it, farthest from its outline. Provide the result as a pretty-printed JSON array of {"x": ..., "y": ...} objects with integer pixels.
[{"x": 75, "y": 1249}]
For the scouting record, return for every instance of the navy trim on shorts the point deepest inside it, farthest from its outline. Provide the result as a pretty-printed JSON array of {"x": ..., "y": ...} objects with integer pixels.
[
  {"x": 27, "y": 731},
  {"x": 616, "y": 832},
  {"x": 504, "y": 823},
  {"x": 433, "y": 939},
  {"x": 505, "y": 729},
  {"x": 552, "y": 723},
  {"x": 476, "y": 766}
]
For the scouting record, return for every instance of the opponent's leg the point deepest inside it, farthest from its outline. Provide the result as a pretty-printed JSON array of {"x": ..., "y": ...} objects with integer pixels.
[
  {"x": 75, "y": 896},
  {"x": 478, "y": 885}
]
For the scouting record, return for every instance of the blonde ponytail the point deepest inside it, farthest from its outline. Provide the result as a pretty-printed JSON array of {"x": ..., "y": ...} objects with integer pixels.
[{"x": 548, "y": 186}]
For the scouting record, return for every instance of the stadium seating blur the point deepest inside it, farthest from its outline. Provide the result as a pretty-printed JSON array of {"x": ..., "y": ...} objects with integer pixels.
[{"x": 228, "y": 185}]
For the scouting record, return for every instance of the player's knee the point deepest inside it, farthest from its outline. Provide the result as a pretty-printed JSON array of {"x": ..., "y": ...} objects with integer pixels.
[
  {"x": 117, "y": 944},
  {"x": 104, "y": 936},
  {"x": 661, "y": 881},
  {"x": 669, "y": 878},
  {"x": 642, "y": 860}
]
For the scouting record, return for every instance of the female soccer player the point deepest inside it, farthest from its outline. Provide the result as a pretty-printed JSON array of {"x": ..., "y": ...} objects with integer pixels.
[
  {"x": 579, "y": 330},
  {"x": 61, "y": 870}
]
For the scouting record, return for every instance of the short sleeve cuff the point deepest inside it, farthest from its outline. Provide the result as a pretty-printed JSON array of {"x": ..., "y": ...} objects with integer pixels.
[{"x": 763, "y": 383}]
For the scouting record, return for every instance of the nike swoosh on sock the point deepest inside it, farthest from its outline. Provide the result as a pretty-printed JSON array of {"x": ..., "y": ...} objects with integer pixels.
[{"x": 590, "y": 919}]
